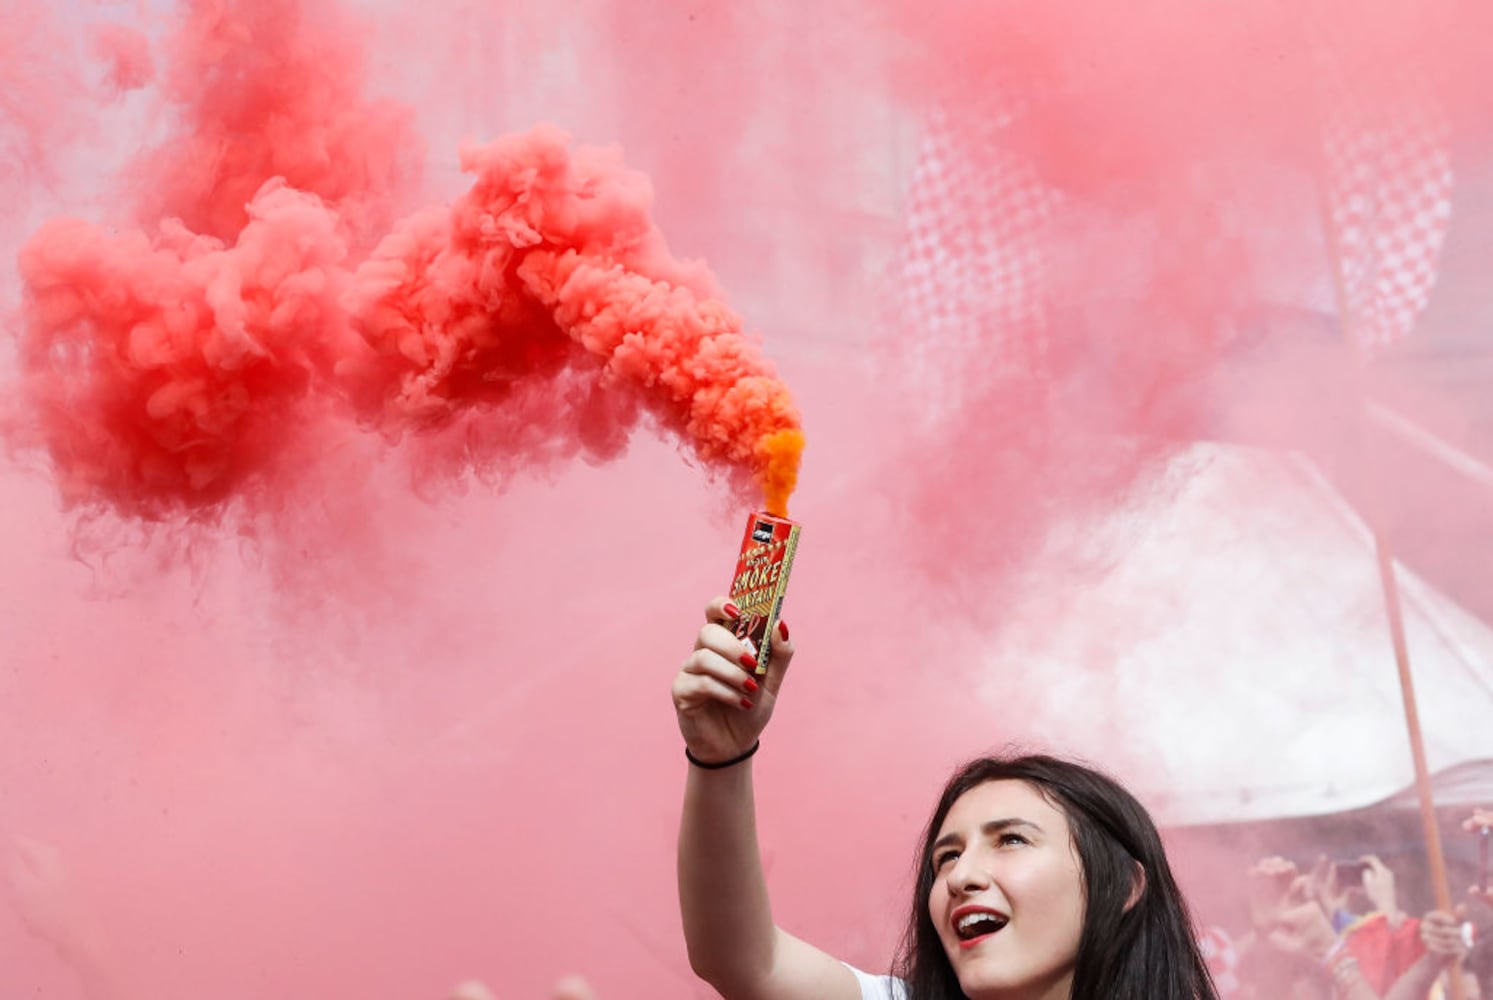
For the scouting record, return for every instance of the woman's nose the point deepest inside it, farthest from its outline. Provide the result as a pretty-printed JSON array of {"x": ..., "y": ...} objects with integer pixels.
[{"x": 967, "y": 874}]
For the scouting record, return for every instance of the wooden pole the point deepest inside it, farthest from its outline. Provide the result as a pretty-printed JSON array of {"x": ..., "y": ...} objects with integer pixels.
[
  {"x": 1437, "y": 859},
  {"x": 1435, "y": 856}
]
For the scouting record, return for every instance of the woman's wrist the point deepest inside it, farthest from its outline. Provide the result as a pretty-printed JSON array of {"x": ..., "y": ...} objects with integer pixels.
[
  {"x": 709, "y": 763},
  {"x": 1342, "y": 965},
  {"x": 1335, "y": 950}
]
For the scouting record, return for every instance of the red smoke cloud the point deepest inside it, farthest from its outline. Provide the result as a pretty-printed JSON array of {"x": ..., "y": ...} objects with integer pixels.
[
  {"x": 274, "y": 89},
  {"x": 550, "y": 250},
  {"x": 170, "y": 370},
  {"x": 125, "y": 52}
]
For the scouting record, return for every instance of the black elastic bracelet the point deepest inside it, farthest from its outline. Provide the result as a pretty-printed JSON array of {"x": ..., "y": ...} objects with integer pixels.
[{"x": 725, "y": 763}]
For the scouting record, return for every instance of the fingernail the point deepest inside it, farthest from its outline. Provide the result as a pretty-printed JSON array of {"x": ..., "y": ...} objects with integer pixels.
[
  {"x": 746, "y": 703},
  {"x": 732, "y": 610},
  {"x": 783, "y": 630},
  {"x": 748, "y": 660},
  {"x": 750, "y": 685}
]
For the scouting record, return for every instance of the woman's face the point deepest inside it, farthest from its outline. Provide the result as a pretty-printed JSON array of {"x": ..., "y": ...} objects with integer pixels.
[{"x": 1008, "y": 896}]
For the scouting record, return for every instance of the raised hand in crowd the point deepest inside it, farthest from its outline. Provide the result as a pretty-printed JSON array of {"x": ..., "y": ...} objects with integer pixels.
[
  {"x": 1379, "y": 886},
  {"x": 1442, "y": 934},
  {"x": 1331, "y": 887},
  {"x": 1268, "y": 881},
  {"x": 1300, "y": 926}
]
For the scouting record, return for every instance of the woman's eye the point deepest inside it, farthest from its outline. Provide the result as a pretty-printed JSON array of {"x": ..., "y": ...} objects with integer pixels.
[
  {"x": 1013, "y": 838},
  {"x": 942, "y": 858}
]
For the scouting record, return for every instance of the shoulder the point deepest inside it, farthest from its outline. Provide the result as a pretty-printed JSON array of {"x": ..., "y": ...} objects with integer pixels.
[{"x": 879, "y": 987}]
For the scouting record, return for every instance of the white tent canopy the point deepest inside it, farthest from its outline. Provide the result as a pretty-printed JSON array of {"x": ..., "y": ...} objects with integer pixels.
[{"x": 1241, "y": 651}]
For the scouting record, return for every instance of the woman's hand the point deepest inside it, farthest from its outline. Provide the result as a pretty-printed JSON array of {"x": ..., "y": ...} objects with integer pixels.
[
  {"x": 1441, "y": 933},
  {"x": 1301, "y": 925},
  {"x": 1479, "y": 819},
  {"x": 721, "y": 705},
  {"x": 1269, "y": 879},
  {"x": 1379, "y": 885}
]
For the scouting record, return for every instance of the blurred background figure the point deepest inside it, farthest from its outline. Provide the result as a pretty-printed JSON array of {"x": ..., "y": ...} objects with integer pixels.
[
  {"x": 569, "y": 988},
  {"x": 1480, "y": 825},
  {"x": 573, "y": 988},
  {"x": 1217, "y": 947}
]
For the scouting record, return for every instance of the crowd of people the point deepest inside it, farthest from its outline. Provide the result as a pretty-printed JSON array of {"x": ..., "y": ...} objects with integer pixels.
[{"x": 1337, "y": 931}]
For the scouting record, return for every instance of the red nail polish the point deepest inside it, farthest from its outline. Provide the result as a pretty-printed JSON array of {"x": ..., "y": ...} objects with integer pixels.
[
  {"x": 783, "y": 630},
  {"x": 732, "y": 610},
  {"x": 748, "y": 660},
  {"x": 750, "y": 685},
  {"x": 746, "y": 703}
]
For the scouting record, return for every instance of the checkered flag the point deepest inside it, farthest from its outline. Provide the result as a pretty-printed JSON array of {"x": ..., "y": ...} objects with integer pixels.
[
  {"x": 971, "y": 269},
  {"x": 972, "y": 272},
  {"x": 1388, "y": 180}
]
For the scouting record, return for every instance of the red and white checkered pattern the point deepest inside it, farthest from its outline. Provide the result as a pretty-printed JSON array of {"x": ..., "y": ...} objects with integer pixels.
[
  {"x": 973, "y": 262},
  {"x": 972, "y": 270},
  {"x": 1389, "y": 183}
]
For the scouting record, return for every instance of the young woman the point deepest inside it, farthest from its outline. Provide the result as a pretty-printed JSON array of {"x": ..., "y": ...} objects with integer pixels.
[{"x": 1039, "y": 879}]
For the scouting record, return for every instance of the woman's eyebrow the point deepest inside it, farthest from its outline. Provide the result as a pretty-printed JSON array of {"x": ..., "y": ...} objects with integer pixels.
[{"x": 989, "y": 829}]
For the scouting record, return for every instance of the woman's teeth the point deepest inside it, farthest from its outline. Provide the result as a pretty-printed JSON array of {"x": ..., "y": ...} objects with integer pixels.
[{"x": 973, "y": 925}]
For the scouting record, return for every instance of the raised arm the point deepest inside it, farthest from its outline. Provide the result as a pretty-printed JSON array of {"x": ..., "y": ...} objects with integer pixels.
[{"x": 734, "y": 945}]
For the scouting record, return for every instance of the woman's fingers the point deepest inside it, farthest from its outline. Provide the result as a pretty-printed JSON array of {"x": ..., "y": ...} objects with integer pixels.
[
  {"x": 714, "y": 639},
  {"x": 1301, "y": 890},
  {"x": 709, "y": 663},
  {"x": 720, "y": 611},
  {"x": 1442, "y": 933},
  {"x": 1274, "y": 865},
  {"x": 694, "y": 690},
  {"x": 782, "y": 655},
  {"x": 718, "y": 636}
]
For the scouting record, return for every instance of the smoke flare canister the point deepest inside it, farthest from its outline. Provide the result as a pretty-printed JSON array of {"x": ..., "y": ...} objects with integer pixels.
[{"x": 762, "y": 579}]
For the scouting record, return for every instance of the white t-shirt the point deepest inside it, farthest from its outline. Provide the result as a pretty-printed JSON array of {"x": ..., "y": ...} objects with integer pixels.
[{"x": 879, "y": 987}]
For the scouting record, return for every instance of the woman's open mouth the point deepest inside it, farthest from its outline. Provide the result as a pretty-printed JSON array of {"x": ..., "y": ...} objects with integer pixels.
[{"x": 977, "y": 925}]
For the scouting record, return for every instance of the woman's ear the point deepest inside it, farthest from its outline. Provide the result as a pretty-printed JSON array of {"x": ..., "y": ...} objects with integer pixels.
[{"x": 1137, "y": 886}]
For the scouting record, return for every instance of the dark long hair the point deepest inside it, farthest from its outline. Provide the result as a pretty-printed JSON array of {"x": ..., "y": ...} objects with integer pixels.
[{"x": 1145, "y": 952}]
